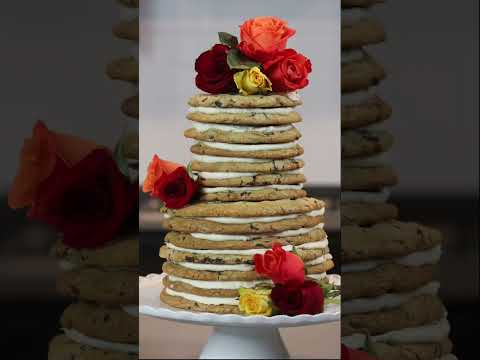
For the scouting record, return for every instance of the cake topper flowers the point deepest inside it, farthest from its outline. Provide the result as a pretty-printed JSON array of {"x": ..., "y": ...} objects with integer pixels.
[{"x": 257, "y": 64}]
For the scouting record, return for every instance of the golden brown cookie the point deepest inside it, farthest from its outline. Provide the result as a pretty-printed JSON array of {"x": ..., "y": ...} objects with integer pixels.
[
  {"x": 368, "y": 178},
  {"x": 62, "y": 348},
  {"x": 386, "y": 240},
  {"x": 187, "y": 241},
  {"x": 361, "y": 74},
  {"x": 249, "y": 137},
  {"x": 248, "y": 151},
  {"x": 119, "y": 287},
  {"x": 255, "y": 180},
  {"x": 182, "y": 303},
  {"x": 361, "y": 33},
  {"x": 241, "y": 101},
  {"x": 130, "y": 106},
  {"x": 420, "y": 310},
  {"x": 105, "y": 323},
  {"x": 249, "y": 119},
  {"x": 265, "y": 166},
  {"x": 190, "y": 225},
  {"x": 369, "y": 112},
  {"x": 127, "y": 29},
  {"x": 125, "y": 69},
  {"x": 121, "y": 253},
  {"x": 362, "y": 142},
  {"x": 245, "y": 194},
  {"x": 386, "y": 278},
  {"x": 247, "y": 209},
  {"x": 363, "y": 213}
]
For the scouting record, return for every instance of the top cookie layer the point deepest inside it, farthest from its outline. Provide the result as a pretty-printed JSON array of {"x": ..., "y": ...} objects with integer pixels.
[{"x": 241, "y": 101}]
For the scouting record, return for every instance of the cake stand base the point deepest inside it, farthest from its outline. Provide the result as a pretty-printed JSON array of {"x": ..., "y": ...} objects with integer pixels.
[{"x": 244, "y": 343}]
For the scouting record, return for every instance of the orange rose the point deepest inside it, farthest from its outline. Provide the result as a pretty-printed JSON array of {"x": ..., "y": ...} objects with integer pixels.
[
  {"x": 37, "y": 161},
  {"x": 262, "y": 37},
  {"x": 156, "y": 169}
]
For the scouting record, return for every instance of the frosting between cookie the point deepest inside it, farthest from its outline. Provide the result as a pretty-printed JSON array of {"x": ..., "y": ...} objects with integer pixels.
[
  {"x": 248, "y": 147},
  {"x": 387, "y": 301},
  {"x": 207, "y": 300},
  {"x": 249, "y": 220},
  {"x": 213, "y": 110},
  {"x": 358, "y": 97},
  {"x": 216, "y": 267},
  {"x": 219, "y": 285},
  {"x": 319, "y": 260},
  {"x": 419, "y": 258},
  {"x": 98, "y": 343},
  {"x": 226, "y": 252},
  {"x": 223, "y": 159},
  {"x": 434, "y": 332},
  {"x": 314, "y": 245},
  {"x": 232, "y": 175},
  {"x": 366, "y": 196},
  {"x": 202, "y": 127},
  {"x": 250, "y": 188},
  {"x": 369, "y": 161}
]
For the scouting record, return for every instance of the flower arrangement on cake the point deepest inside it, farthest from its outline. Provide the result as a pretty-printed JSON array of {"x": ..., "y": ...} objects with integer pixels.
[{"x": 244, "y": 237}]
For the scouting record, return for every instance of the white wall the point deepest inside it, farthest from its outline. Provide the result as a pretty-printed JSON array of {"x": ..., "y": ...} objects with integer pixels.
[{"x": 175, "y": 32}]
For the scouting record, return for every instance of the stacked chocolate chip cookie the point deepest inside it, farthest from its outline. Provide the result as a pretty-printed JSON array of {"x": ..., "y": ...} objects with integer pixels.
[
  {"x": 102, "y": 322},
  {"x": 388, "y": 266},
  {"x": 247, "y": 161}
]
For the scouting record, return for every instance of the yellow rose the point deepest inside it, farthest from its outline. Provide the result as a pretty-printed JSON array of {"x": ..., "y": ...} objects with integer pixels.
[
  {"x": 252, "y": 81},
  {"x": 255, "y": 302}
]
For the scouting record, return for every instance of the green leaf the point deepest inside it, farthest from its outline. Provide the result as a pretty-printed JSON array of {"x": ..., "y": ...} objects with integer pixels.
[
  {"x": 190, "y": 172},
  {"x": 237, "y": 61},
  {"x": 118, "y": 155},
  {"x": 228, "y": 39}
]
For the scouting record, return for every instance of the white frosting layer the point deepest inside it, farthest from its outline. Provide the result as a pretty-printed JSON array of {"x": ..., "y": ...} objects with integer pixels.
[
  {"x": 351, "y": 55},
  {"x": 214, "y": 110},
  {"x": 314, "y": 245},
  {"x": 215, "y": 267},
  {"x": 131, "y": 310},
  {"x": 248, "y": 147},
  {"x": 99, "y": 344},
  {"x": 365, "y": 196},
  {"x": 318, "y": 276},
  {"x": 231, "y": 175},
  {"x": 225, "y": 237},
  {"x": 223, "y": 159},
  {"x": 202, "y": 127},
  {"x": 227, "y": 252},
  {"x": 434, "y": 332},
  {"x": 250, "y": 188},
  {"x": 203, "y": 299},
  {"x": 419, "y": 258},
  {"x": 387, "y": 301},
  {"x": 350, "y": 16},
  {"x": 294, "y": 95},
  {"x": 319, "y": 260},
  {"x": 249, "y": 220},
  {"x": 228, "y": 285},
  {"x": 370, "y": 161},
  {"x": 358, "y": 97}
]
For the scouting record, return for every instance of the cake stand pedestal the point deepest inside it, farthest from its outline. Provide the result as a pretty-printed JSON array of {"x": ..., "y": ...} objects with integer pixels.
[{"x": 234, "y": 336}]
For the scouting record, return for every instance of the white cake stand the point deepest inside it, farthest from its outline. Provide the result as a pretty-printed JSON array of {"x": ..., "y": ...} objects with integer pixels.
[{"x": 234, "y": 336}]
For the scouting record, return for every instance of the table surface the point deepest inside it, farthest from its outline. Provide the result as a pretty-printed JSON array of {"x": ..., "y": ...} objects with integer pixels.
[{"x": 163, "y": 339}]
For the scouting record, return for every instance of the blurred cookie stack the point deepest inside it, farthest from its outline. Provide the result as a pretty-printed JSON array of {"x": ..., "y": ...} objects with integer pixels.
[
  {"x": 246, "y": 158},
  {"x": 102, "y": 323},
  {"x": 389, "y": 292}
]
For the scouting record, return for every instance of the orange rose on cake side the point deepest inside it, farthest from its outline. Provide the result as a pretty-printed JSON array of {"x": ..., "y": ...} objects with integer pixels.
[{"x": 262, "y": 37}]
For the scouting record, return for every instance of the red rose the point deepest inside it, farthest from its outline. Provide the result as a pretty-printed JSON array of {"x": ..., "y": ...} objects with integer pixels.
[
  {"x": 281, "y": 266},
  {"x": 213, "y": 73},
  {"x": 263, "y": 36},
  {"x": 175, "y": 189},
  {"x": 88, "y": 203},
  {"x": 306, "y": 298},
  {"x": 288, "y": 71},
  {"x": 353, "y": 354}
]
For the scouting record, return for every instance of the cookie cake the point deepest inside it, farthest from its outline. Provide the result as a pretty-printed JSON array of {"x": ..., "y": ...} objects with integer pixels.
[
  {"x": 390, "y": 303},
  {"x": 244, "y": 237}
]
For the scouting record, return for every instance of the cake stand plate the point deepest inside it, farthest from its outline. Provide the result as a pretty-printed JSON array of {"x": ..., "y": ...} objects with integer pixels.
[{"x": 234, "y": 336}]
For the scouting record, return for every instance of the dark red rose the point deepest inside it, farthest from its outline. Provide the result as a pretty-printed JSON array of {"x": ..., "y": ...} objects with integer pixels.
[
  {"x": 175, "y": 189},
  {"x": 213, "y": 73},
  {"x": 306, "y": 298},
  {"x": 353, "y": 354},
  {"x": 281, "y": 266},
  {"x": 88, "y": 202},
  {"x": 288, "y": 71}
]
